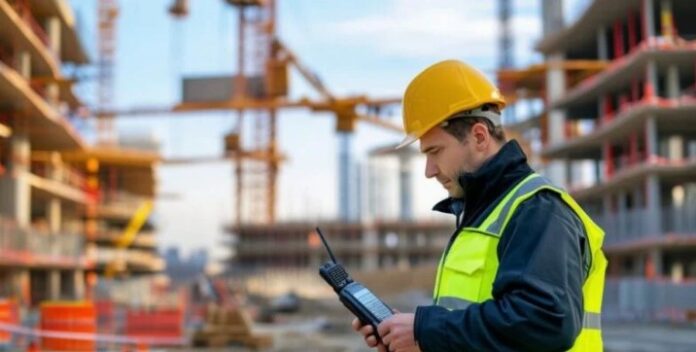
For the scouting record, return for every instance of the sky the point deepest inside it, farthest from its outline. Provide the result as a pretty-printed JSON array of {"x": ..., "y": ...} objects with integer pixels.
[{"x": 356, "y": 47}]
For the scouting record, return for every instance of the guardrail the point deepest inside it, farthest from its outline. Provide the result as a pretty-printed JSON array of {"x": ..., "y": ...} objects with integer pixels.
[
  {"x": 637, "y": 299},
  {"x": 32, "y": 244},
  {"x": 636, "y": 224}
]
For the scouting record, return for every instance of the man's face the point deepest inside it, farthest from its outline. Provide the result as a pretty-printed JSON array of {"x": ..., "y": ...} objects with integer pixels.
[{"x": 447, "y": 158}]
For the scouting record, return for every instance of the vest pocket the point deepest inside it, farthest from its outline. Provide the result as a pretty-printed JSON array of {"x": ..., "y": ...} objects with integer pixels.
[
  {"x": 463, "y": 277},
  {"x": 465, "y": 265}
]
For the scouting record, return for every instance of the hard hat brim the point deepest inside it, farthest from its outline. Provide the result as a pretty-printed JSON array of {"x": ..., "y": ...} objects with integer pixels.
[{"x": 408, "y": 140}]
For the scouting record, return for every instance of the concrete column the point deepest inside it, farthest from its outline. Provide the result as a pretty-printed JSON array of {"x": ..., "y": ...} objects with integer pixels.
[
  {"x": 652, "y": 78},
  {"x": 654, "y": 206},
  {"x": 552, "y": 16},
  {"x": 14, "y": 186},
  {"x": 370, "y": 253},
  {"x": 648, "y": 19},
  {"x": 54, "y": 211},
  {"x": 651, "y": 138},
  {"x": 556, "y": 86},
  {"x": 54, "y": 284},
  {"x": 23, "y": 63},
  {"x": 598, "y": 170},
  {"x": 404, "y": 245},
  {"x": 673, "y": 89},
  {"x": 53, "y": 32},
  {"x": 53, "y": 95},
  {"x": 653, "y": 197},
  {"x": 602, "y": 44},
  {"x": 656, "y": 259},
  {"x": 405, "y": 192},
  {"x": 359, "y": 191},
  {"x": 22, "y": 285},
  {"x": 622, "y": 215},
  {"x": 345, "y": 186},
  {"x": 79, "y": 283},
  {"x": 54, "y": 215}
]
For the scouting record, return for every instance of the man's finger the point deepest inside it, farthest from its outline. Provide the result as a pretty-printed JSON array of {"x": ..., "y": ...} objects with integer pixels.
[
  {"x": 384, "y": 327},
  {"x": 367, "y": 330},
  {"x": 386, "y": 339},
  {"x": 356, "y": 324},
  {"x": 371, "y": 341}
]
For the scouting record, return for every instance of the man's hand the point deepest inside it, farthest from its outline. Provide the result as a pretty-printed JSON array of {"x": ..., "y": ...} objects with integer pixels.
[
  {"x": 368, "y": 334},
  {"x": 397, "y": 333}
]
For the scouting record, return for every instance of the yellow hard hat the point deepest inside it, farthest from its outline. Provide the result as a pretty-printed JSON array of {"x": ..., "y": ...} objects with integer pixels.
[{"x": 443, "y": 90}]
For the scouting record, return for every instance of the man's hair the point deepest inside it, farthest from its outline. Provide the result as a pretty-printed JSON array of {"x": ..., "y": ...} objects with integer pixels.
[{"x": 460, "y": 126}]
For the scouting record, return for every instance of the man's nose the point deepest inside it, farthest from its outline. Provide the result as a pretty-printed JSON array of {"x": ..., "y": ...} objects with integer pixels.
[{"x": 431, "y": 169}]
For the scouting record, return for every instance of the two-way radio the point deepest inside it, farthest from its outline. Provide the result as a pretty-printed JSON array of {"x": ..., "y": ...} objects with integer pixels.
[{"x": 357, "y": 298}]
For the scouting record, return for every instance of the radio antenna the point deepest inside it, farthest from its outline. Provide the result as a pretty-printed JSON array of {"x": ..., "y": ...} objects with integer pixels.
[{"x": 326, "y": 245}]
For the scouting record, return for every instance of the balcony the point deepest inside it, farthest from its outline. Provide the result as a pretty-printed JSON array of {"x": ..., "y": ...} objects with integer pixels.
[
  {"x": 119, "y": 205},
  {"x": 146, "y": 240},
  {"x": 583, "y": 31},
  {"x": 65, "y": 182},
  {"x": 636, "y": 299},
  {"x": 72, "y": 49},
  {"x": 16, "y": 91},
  {"x": 671, "y": 115},
  {"x": 130, "y": 259},
  {"x": 636, "y": 228},
  {"x": 19, "y": 23},
  {"x": 676, "y": 171},
  {"x": 31, "y": 248}
]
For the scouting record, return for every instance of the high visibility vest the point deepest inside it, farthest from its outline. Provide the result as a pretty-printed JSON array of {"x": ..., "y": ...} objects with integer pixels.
[{"x": 467, "y": 270}]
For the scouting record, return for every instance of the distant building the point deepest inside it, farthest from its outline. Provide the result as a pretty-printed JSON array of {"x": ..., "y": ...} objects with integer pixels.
[{"x": 182, "y": 270}]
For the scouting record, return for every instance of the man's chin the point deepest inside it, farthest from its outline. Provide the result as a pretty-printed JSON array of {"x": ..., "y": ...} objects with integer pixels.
[{"x": 455, "y": 192}]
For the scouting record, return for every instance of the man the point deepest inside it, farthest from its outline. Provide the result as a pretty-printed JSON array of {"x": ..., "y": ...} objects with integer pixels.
[{"x": 524, "y": 270}]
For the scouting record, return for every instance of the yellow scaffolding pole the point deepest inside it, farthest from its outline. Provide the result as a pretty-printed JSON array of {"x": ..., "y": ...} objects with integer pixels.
[{"x": 128, "y": 236}]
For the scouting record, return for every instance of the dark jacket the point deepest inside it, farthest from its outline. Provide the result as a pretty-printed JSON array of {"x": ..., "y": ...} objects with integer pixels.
[{"x": 537, "y": 300}]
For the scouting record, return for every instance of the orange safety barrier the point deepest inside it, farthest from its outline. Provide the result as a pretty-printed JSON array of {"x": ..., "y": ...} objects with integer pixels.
[
  {"x": 8, "y": 315},
  {"x": 162, "y": 323},
  {"x": 105, "y": 316},
  {"x": 74, "y": 317}
]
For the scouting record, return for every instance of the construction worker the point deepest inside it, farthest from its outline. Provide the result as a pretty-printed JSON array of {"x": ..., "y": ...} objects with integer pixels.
[{"x": 524, "y": 270}]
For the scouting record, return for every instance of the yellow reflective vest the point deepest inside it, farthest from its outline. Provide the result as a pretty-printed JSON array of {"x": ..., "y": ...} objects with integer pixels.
[{"x": 467, "y": 270}]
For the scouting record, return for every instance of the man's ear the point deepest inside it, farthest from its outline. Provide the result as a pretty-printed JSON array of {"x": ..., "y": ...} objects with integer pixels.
[{"x": 479, "y": 132}]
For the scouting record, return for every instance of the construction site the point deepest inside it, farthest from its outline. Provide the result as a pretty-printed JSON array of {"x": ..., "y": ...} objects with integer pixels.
[{"x": 602, "y": 106}]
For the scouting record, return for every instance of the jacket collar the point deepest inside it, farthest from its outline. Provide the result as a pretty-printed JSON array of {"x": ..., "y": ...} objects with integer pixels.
[{"x": 487, "y": 184}]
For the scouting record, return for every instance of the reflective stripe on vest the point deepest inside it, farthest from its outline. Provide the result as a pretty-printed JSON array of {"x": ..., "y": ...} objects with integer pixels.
[
  {"x": 592, "y": 321},
  {"x": 453, "y": 302},
  {"x": 496, "y": 227},
  {"x": 467, "y": 271}
]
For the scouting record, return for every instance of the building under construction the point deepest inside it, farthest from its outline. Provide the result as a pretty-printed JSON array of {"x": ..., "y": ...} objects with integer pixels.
[
  {"x": 42, "y": 198},
  {"x": 617, "y": 130},
  {"x": 377, "y": 239},
  {"x": 66, "y": 208}
]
